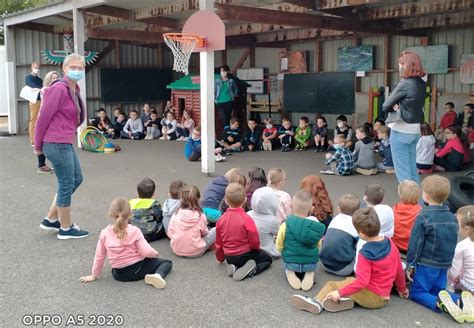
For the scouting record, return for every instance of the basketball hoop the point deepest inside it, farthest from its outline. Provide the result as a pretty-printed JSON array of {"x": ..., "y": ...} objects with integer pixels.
[{"x": 182, "y": 46}]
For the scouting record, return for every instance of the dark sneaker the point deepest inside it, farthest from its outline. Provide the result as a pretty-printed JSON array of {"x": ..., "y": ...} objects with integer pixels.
[
  {"x": 156, "y": 280},
  {"x": 306, "y": 304},
  {"x": 245, "y": 271},
  {"x": 446, "y": 304},
  {"x": 48, "y": 225},
  {"x": 468, "y": 306},
  {"x": 45, "y": 170},
  {"x": 231, "y": 270},
  {"x": 74, "y": 232},
  {"x": 344, "y": 303}
]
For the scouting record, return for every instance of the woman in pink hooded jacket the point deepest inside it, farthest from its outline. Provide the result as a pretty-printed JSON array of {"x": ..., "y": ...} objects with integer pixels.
[{"x": 188, "y": 230}]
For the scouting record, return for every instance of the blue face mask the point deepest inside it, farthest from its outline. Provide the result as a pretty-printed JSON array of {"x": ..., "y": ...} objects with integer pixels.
[
  {"x": 336, "y": 146},
  {"x": 76, "y": 75}
]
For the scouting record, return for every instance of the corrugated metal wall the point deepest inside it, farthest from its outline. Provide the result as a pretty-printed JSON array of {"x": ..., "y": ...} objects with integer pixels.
[{"x": 30, "y": 43}]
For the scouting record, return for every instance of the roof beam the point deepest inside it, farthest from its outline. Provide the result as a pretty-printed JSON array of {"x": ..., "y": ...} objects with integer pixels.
[
  {"x": 334, "y": 4},
  {"x": 300, "y": 34},
  {"x": 418, "y": 9},
  {"x": 442, "y": 20},
  {"x": 37, "y": 27},
  {"x": 120, "y": 15},
  {"x": 310, "y": 4},
  {"x": 124, "y": 35},
  {"x": 275, "y": 17}
]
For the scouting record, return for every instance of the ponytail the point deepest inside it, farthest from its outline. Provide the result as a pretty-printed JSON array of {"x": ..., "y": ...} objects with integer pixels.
[
  {"x": 190, "y": 199},
  {"x": 120, "y": 212}
]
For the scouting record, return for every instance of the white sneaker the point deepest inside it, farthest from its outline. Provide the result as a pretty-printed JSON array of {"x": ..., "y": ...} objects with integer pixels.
[
  {"x": 219, "y": 158},
  {"x": 156, "y": 280},
  {"x": 181, "y": 139},
  {"x": 162, "y": 138},
  {"x": 330, "y": 172}
]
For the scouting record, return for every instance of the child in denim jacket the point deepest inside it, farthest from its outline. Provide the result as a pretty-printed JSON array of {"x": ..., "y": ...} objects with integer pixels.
[{"x": 431, "y": 250}]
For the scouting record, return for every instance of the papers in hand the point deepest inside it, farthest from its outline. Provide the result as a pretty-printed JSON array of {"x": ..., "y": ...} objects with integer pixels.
[{"x": 29, "y": 94}]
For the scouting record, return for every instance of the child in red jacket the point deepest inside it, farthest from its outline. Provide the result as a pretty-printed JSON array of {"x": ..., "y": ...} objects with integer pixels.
[
  {"x": 405, "y": 213},
  {"x": 449, "y": 118},
  {"x": 451, "y": 157},
  {"x": 237, "y": 239},
  {"x": 378, "y": 267}
]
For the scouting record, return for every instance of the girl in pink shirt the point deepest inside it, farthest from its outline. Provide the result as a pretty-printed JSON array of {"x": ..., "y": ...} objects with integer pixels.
[
  {"x": 188, "y": 230},
  {"x": 461, "y": 273},
  {"x": 276, "y": 180},
  {"x": 130, "y": 255}
]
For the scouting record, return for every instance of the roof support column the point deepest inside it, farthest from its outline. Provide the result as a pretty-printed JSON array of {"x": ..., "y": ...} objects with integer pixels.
[
  {"x": 11, "y": 80},
  {"x": 78, "y": 21}
]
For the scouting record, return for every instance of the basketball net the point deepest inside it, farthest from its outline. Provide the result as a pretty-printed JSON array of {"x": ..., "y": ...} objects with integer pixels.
[{"x": 182, "y": 46}]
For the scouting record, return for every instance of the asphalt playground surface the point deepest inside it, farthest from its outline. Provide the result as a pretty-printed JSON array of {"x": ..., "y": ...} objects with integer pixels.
[{"x": 40, "y": 274}]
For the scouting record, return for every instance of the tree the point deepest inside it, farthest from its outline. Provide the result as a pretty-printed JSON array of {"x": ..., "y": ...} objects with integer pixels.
[{"x": 10, "y": 6}]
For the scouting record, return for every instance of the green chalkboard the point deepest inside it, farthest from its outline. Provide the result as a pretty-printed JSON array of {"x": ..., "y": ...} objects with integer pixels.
[
  {"x": 134, "y": 84},
  {"x": 433, "y": 58},
  {"x": 326, "y": 93}
]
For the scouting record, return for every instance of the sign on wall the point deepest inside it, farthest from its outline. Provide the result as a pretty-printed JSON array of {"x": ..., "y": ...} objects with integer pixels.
[
  {"x": 467, "y": 69},
  {"x": 254, "y": 77},
  {"x": 433, "y": 58}
]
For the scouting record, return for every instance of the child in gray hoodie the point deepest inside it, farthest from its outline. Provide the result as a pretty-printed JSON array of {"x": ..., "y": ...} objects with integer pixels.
[
  {"x": 363, "y": 154},
  {"x": 171, "y": 205},
  {"x": 264, "y": 207}
]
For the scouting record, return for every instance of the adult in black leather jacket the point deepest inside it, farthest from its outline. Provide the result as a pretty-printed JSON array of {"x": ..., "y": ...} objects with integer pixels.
[{"x": 405, "y": 108}]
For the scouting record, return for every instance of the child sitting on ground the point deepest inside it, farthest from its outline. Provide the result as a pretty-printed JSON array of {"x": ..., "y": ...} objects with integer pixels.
[
  {"x": 339, "y": 246},
  {"x": 303, "y": 134},
  {"x": 269, "y": 135},
  {"x": 188, "y": 230},
  {"x": 192, "y": 149},
  {"x": 116, "y": 129},
  {"x": 320, "y": 133},
  {"x": 253, "y": 134},
  {"x": 448, "y": 119},
  {"x": 385, "y": 152},
  {"x": 231, "y": 137},
  {"x": 145, "y": 115},
  {"x": 425, "y": 150},
  {"x": 171, "y": 205},
  {"x": 405, "y": 213},
  {"x": 129, "y": 254},
  {"x": 264, "y": 208},
  {"x": 431, "y": 249},
  {"x": 185, "y": 128},
  {"x": 214, "y": 193},
  {"x": 276, "y": 181},
  {"x": 169, "y": 126},
  {"x": 257, "y": 179},
  {"x": 237, "y": 239},
  {"x": 102, "y": 121},
  {"x": 373, "y": 197},
  {"x": 322, "y": 205},
  {"x": 451, "y": 156},
  {"x": 379, "y": 122},
  {"x": 342, "y": 162},
  {"x": 146, "y": 211},
  {"x": 363, "y": 154},
  {"x": 153, "y": 126},
  {"x": 342, "y": 128},
  {"x": 286, "y": 134},
  {"x": 461, "y": 273},
  {"x": 379, "y": 267},
  {"x": 133, "y": 129},
  {"x": 297, "y": 241}
]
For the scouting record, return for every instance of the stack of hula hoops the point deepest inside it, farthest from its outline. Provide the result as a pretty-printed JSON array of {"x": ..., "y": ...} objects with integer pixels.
[{"x": 93, "y": 140}]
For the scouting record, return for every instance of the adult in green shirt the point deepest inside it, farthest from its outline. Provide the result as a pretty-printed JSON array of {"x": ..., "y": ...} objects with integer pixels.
[{"x": 225, "y": 92}]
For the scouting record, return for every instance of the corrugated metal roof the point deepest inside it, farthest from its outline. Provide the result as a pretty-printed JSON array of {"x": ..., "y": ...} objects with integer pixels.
[{"x": 49, "y": 4}]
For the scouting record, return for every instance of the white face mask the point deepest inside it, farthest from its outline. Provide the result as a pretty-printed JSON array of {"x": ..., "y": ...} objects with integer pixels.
[
  {"x": 340, "y": 125},
  {"x": 269, "y": 126},
  {"x": 35, "y": 71},
  {"x": 223, "y": 73}
]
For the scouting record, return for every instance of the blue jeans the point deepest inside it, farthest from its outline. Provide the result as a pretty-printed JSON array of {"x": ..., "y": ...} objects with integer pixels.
[
  {"x": 427, "y": 284},
  {"x": 403, "y": 147},
  {"x": 67, "y": 169},
  {"x": 297, "y": 267}
]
